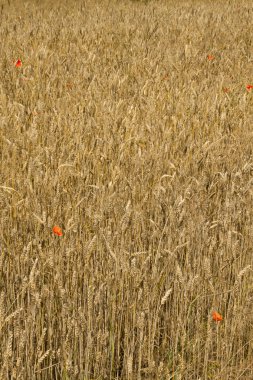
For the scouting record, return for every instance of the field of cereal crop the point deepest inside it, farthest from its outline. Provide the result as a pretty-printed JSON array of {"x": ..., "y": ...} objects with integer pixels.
[{"x": 126, "y": 189}]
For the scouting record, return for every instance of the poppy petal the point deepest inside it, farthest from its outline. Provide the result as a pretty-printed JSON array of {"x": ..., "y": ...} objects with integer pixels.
[
  {"x": 57, "y": 231},
  {"x": 18, "y": 63},
  {"x": 216, "y": 316}
]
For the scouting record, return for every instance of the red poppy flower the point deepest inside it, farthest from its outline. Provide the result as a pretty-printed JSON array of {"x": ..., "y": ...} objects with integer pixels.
[
  {"x": 210, "y": 57},
  {"x": 57, "y": 231},
  {"x": 249, "y": 87},
  {"x": 18, "y": 63},
  {"x": 216, "y": 316}
]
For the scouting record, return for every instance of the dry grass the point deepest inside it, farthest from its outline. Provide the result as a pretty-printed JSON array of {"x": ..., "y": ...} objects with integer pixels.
[{"x": 116, "y": 128}]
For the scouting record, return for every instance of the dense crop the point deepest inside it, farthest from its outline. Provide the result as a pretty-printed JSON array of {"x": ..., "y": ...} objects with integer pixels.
[{"x": 126, "y": 174}]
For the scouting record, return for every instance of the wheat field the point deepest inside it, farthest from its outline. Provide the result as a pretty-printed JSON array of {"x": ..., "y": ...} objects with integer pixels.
[{"x": 129, "y": 126}]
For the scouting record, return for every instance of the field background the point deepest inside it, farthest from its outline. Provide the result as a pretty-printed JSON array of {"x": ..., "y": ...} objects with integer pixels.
[{"x": 118, "y": 129}]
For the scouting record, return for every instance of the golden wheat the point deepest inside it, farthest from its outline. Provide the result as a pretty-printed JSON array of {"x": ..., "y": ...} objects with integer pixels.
[{"x": 127, "y": 125}]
